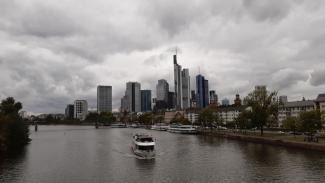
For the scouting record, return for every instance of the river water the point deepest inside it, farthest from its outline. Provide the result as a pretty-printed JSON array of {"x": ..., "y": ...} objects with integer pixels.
[{"x": 80, "y": 154}]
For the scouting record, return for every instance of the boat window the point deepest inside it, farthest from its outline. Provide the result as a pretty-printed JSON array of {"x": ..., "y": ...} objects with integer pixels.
[
  {"x": 146, "y": 148},
  {"x": 145, "y": 140}
]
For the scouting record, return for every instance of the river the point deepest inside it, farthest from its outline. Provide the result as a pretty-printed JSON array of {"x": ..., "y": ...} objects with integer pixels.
[{"x": 78, "y": 154}]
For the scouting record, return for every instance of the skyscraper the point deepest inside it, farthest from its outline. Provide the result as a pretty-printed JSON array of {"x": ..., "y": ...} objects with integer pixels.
[
  {"x": 133, "y": 96},
  {"x": 145, "y": 100},
  {"x": 80, "y": 109},
  {"x": 171, "y": 100},
  {"x": 69, "y": 111},
  {"x": 178, "y": 84},
  {"x": 213, "y": 97},
  {"x": 104, "y": 99},
  {"x": 162, "y": 90},
  {"x": 202, "y": 91},
  {"x": 186, "y": 89}
]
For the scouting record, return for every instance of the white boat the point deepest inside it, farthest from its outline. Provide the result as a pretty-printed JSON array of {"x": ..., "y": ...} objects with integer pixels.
[
  {"x": 183, "y": 129},
  {"x": 118, "y": 125},
  {"x": 160, "y": 127},
  {"x": 144, "y": 146}
]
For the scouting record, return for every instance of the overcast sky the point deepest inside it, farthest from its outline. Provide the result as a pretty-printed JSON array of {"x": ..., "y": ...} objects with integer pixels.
[{"x": 53, "y": 52}]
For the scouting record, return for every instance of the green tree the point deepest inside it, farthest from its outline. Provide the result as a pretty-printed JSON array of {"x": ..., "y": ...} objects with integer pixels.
[
  {"x": 14, "y": 132},
  {"x": 107, "y": 117},
  {"x": 243, "y": 121},
  {"x": 207, "y": 117},
  {"x": 310, "y": 121},
  {"x": 180, "y": 120},
  {"x": 263, "y": 104},
  {"x": 146, "y": 118},
  {"x": 292, "y": 123}
]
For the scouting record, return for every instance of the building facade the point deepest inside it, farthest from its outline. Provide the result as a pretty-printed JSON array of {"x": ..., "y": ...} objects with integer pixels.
[
  {"x": 213, "y": 98},
  {"x": 320, "y": 104},
  {"x": 178, "y": 84},
  {"x": 202, "y": 91},
  {"x": 80, "y": 109},
  {"x": 104, "y": 99},
  {"x": 186, "y": 89},
  {"x": 145, "y": 100},
  {"x": 225, "y": 102},
  {"x": 133, "y": 97},
  {"x": 228, "y": 114},
  {"x": 293, "y": 109},
  {"x": 69, "y": 111},
  {"x": 162, "y": 89}
]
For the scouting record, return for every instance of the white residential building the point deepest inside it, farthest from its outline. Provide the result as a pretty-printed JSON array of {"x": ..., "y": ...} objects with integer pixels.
[
  {"x": 293, "y": 109},
  {"x": 228, "y": 114},
  {"x": 80, "y": 109}
]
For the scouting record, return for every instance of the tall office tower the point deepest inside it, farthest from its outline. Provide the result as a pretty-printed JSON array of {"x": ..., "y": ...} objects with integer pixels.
[
  {"x": 186, "y": 89},
  {"x": 133, "y": 96},
  {"x": 124, "y": 104},
  {"x": 80, "y": 109},
  {"x": 69, "y": 111},
  {"x": 145, "y": 100},
  {"x": 178, "y": 84},
  {"x": 213, "y": 98},
  {"x": 171, "y": 100},
  {"x": 237, "y": 101},
  {"x": 193, "y": 99},
  {"x": 104, "y": 99},
  {"x": 162, "y": 90},
  {"x": 202, "y": 91}
]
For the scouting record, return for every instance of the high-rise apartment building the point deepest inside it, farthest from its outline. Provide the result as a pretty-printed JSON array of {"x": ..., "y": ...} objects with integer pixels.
[
  {"x": 104, "y": 99},
  {"x": 80, "y": 109}
]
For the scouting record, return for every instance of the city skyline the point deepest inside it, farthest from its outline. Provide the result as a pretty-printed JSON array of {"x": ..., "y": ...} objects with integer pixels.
[{"x": 49, "y": 61}]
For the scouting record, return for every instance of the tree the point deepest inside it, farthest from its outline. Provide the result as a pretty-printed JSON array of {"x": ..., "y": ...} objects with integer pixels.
[
  {"x": 243, "y": 121},
  {"x": 263, "y": 105},
  {"x": 106, "y": 117},
  {"x": 310, "y": 121},
  {"x": 180, "y": 120},
  {"x": 146, "y": 118},
  {"x": 207, "y": 117},
  {"x": 14, "y": 132},
  {"x": 292, "y": 123}
]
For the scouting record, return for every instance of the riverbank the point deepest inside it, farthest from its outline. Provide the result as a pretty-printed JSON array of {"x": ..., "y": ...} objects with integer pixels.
[{"x": 271, "y": 140}]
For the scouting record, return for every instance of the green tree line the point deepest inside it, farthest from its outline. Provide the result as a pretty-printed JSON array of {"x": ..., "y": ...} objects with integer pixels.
[{"x": 14, "y": 132}]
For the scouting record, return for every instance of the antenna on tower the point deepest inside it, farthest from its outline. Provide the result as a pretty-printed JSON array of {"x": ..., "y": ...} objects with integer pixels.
[
  {"x": 176, "y": 50},
  {"x": 199, "y": 70}
]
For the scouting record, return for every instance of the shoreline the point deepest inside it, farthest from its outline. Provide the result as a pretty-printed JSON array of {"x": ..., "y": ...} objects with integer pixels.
[{"x": 266, "y": 140}]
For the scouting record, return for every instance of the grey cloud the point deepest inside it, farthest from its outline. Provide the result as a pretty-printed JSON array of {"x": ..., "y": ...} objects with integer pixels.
[
  {"x": 286, "y": 78},
  {"x": 262, "y": 10},
  {"x": 54, "y": 52},
  {"x": 318, "y": 77}
]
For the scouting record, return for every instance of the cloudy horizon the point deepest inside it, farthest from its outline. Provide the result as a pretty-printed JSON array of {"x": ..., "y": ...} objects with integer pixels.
[{"x": 54, "y": 52}]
